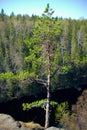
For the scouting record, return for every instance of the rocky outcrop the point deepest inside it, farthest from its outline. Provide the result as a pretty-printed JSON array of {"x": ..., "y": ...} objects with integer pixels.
[{"x": 8, "y": 123}]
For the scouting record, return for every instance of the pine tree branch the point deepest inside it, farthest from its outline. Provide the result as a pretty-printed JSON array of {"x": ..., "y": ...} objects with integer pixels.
[
  {"x": 39, "y": 81},
  {"x": 55, "y": 72}
]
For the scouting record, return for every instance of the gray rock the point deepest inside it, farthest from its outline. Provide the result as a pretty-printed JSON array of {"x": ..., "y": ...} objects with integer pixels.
[
  {"x": 8, "y": 123},
  {"x": 54, "y": 128}
]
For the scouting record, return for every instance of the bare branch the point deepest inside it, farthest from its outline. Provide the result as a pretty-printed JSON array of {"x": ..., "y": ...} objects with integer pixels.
[
  {"x": 84, "y": 76},
  {"x": 41, "y": 81},
  {"x": 32, "y": 79}
]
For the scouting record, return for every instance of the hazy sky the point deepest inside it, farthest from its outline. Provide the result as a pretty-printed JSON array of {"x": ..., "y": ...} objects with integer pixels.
[{"x": 65, "y": 8}]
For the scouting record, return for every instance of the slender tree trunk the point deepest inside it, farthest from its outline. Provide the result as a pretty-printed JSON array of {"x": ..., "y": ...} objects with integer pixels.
[
  {"x": 47, "y": 117},
  {"x": 48, "y": 104}
]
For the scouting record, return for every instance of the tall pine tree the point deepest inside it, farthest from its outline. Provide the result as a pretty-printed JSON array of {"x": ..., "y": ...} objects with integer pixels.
[{"x": 43, "y": 46}]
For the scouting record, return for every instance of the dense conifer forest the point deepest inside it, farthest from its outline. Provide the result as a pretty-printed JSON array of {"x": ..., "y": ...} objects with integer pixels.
[
  {"x": 21, "y": 56},
  {"x": 42, "y": 56}
]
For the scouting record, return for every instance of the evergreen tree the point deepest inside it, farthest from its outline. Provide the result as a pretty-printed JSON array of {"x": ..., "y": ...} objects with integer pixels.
[
  {"x": 42, "y": 46},
  {"x": 2, "y": 14}
]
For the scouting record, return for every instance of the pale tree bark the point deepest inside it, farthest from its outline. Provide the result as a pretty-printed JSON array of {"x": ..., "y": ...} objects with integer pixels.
[{"x": 47, "y": 116}]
